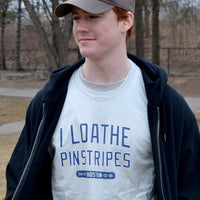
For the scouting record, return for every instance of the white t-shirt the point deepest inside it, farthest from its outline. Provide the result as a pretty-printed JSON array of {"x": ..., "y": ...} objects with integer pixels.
[{"x": 102, "y": 141}]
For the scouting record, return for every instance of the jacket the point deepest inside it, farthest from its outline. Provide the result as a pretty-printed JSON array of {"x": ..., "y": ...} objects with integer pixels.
[{"x": 174, "y": 135}]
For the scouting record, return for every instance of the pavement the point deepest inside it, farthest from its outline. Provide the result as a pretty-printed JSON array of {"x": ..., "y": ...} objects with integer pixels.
[
  {"x": 14, "y": 92},
  {"x": 15, "y": 127}
]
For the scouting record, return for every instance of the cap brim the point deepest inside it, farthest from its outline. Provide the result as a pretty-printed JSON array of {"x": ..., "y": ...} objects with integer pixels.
[{"x": 91, "y": 6}]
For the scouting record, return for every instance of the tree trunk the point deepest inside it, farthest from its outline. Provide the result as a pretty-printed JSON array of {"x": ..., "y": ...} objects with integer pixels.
[
  {"x": 49, "y": 51},
  {"x": 155, "y": 33},
  {"x": 18, "y": 41},
  {"x": 139, "y": 30},
  {"x": 60, "y": 39},
  {"x": 146, "y": 18},
  {"x": 3, "y": 15}
]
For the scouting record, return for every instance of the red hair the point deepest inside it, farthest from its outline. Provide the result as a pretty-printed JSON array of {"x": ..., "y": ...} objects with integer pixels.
[{"x": 121, "y": 15}]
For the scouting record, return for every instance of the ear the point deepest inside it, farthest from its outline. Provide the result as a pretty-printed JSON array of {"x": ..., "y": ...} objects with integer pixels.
[{"x": 127, "y": 23}]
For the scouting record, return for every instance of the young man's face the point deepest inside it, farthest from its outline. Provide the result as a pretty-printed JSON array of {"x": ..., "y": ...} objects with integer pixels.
[{"x": 97, "y": 35}]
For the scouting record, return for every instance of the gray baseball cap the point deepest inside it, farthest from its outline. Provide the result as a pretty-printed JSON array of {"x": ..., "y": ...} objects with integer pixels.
[{"x": 93, "y": 6}]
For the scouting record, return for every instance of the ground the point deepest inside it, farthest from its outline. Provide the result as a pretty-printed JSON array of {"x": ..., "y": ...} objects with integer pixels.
[{"x": 187, "y": 85}]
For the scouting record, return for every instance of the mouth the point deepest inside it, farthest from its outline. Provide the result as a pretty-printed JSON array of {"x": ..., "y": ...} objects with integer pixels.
[{"x": 86, "y": 39}]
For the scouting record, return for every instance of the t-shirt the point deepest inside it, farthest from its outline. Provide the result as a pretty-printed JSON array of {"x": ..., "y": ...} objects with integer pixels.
[{"x": 102, "y": 141}]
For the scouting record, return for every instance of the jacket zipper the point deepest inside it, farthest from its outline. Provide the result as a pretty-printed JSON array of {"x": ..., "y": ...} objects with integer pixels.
[
  {"x": 15, "y": 195},
  {"x": 159, "y": 153}
]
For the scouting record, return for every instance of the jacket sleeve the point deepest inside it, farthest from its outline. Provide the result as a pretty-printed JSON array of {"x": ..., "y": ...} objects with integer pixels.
[
  {"x": 189, "y": 166},
  {"x": 19, "y": 158}
]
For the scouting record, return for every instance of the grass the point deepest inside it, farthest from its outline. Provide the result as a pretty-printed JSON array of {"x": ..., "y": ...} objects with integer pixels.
[
  {"x": 11, "y": 109},
  {"x": 198, "y": 119},
  {"x": 7, "y": 144},
  {"x": 14, "y": 109}
]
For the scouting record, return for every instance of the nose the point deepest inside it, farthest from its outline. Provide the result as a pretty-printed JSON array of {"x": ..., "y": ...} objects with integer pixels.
[{"x": 82, "y": 25}]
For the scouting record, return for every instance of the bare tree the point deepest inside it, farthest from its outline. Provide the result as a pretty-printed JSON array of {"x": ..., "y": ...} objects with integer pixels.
[
  {"x": 139, "y": 28},
  {"x": 38, "y": 25},
  {"x": 155, "y": 32},
  {"x": 60, "y": 37},
  {"x": 18, "y": 42},
  {"x": 57, "y": 51},
  {"x": 146, "y": 18},
  {"x": 3, "y": 11}
]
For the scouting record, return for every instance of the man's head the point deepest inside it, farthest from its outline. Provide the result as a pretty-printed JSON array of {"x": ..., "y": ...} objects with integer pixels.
[
  {"x": 120, "y": 7},
  {"x": 94, "y": 6}
]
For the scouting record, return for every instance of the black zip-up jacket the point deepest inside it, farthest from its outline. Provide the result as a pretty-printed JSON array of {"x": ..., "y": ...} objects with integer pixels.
[{"x": 174, "y": 136}]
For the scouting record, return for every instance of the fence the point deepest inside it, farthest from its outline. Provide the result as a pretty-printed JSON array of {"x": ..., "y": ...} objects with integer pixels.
[{"x": 178, "y": 61}]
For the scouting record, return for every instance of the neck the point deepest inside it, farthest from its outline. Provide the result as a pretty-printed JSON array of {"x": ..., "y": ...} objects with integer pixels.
[{"x": 106, "y": 70}]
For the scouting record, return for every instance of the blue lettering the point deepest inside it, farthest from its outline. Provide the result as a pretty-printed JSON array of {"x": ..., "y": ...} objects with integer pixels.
[
  {"x": 83, "y": 156},
  {"x": 95, "y": 133},
  {"x": 72, "y": 134},
  {"x": 95, "y": 174},
  {"x": 127, "y": 160},
  {"x": 104, "y": 132},
  {"x": 114, "y": 135},
  {"x": 63, "y": 157},
  {"x": 75, "y": 158},
  {"x": 89, "y": 151},
  {"x": 70, "y": 158},
  {"x": 97, "y": 157},
  {"x": 108, "y": 157},
  {"x": 103, "y": 158},
  {"x": 116, "y": 159},
  {"x": 84, "y": 131},
  {"x": 125, "y": 137}
]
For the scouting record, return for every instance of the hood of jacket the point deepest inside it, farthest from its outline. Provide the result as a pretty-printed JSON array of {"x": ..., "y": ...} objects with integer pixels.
[{"x": 155, "y": 79}]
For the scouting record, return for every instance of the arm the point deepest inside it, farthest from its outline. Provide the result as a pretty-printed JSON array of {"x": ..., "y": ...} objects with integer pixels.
[
  {"x": 189, "y": 166},
  {"x": 19, "y": 156}
]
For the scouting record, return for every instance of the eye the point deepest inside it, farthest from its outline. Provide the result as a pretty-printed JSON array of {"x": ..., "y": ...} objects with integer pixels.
[
  {"x": 93, "y": 17},
  {"x": 76, "y": 17}
]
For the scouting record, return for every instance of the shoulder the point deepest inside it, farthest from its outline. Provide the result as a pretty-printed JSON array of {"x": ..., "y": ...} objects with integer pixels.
[
  {"x": 58, "y": 81},
  {"x": 177, "y": 109},
  {"x": 174, "y": 99}
]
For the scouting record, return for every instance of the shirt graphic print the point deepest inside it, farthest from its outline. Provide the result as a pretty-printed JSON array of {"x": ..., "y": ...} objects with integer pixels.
[{"x": 103, "y": 148}]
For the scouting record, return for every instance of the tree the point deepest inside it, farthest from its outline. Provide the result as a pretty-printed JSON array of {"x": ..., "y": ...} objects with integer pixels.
[
  {"x": 18, "y": 42},
  {"x": 139, "y": 28},
  {"x": 155, "y": 32},
  {"x": 60, "y": 38},
  {"x": 38, "y": 25},
  {"x": 3, "y": 11},
  {"x": 57, "y": 50},
  {"x": 6, "y": 16},
  {"x": 146, "y": 18}
]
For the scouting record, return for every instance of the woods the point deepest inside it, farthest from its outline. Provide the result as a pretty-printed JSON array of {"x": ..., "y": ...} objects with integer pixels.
[{"x": 158, "y": 24}]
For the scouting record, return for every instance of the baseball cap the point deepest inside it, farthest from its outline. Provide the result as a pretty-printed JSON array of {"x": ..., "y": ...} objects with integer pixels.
[{"x": 93, "y": 6}]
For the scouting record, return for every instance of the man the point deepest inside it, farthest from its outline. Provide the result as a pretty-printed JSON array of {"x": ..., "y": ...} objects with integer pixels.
[{"x": 108, "y": 126}]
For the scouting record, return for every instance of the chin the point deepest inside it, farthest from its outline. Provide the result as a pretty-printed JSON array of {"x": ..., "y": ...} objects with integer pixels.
[{"x": 87, "y": 54}]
